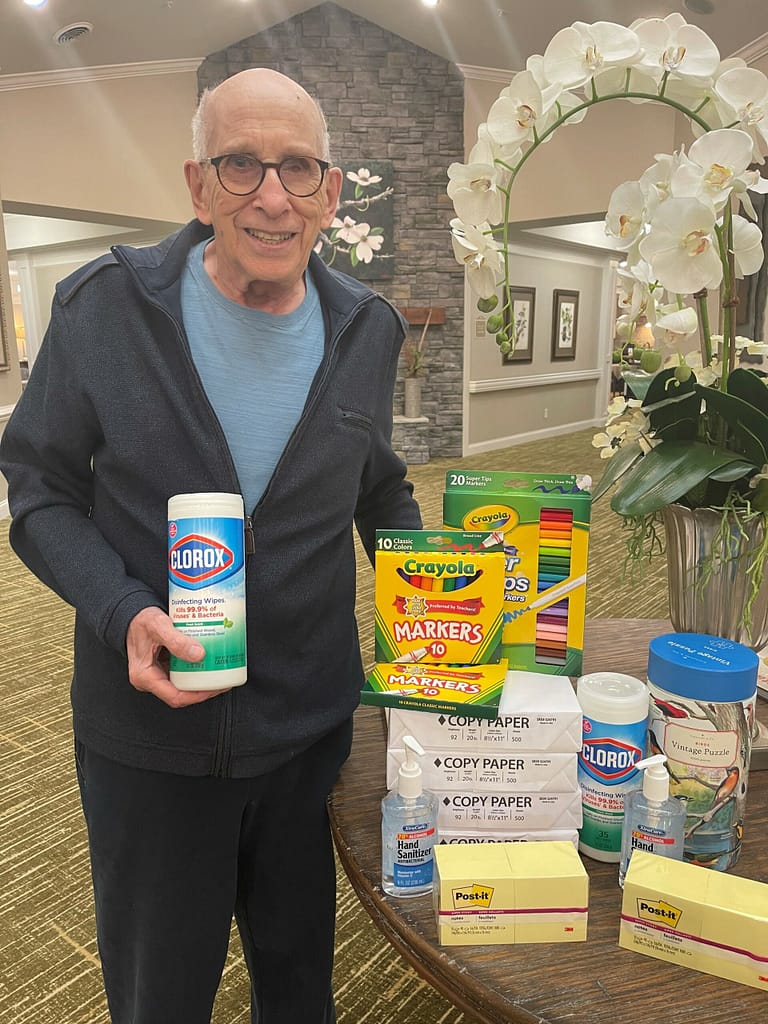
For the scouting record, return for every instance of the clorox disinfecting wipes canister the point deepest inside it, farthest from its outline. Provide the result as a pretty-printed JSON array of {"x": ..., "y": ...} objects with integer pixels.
[{"x": 206, "y": 587}]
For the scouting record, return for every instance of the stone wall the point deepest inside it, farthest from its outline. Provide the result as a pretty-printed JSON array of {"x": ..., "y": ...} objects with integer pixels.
[{"x": 388, "y": 99}]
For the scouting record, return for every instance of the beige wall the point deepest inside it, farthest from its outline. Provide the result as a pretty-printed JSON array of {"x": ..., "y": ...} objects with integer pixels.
[
  {"x": 575, "y": 173},
  {"x": 114, "y": 146},
  {"x": 509, "y": 403}
]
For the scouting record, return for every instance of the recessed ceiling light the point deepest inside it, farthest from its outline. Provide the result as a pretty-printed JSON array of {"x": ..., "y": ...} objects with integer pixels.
[
  {"x": 430, "y": 3},
  {"x": 35, "y": 3}
]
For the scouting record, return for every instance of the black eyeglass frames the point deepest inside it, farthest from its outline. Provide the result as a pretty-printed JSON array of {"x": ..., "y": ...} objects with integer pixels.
[{"x": 240, "y": 173}]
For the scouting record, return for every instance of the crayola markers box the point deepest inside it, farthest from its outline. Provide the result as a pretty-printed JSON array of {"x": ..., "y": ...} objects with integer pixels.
[
  {"x": 439, "y": 597},
  {"x": 543, "y": 523},
  {"x": 443, "y": 690},
  {"x": 708, "y": 920},
  {"x": 510, "y": 892}
]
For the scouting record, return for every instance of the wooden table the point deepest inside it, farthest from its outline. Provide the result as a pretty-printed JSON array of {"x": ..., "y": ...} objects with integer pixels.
[{"x": 593, "y": 982}]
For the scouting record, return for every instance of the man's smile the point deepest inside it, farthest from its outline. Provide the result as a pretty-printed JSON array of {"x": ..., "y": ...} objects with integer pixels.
[{"x": 270, "y": 237}]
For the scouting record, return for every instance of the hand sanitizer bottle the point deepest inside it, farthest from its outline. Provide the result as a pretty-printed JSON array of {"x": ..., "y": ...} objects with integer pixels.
[
  {"x": 653, "y": 821},
  {"x": 408, "y": 830}
]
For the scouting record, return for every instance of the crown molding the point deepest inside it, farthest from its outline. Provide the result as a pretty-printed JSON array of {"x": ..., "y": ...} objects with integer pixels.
[
  {"x": 73, "y": 76},
  {"x": 755, "y": 50},
  {"x": 485, "y": 74}
]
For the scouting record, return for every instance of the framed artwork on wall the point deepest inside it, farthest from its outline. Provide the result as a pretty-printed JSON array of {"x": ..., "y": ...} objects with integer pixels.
[
  {"x": 360, "y": 241},
  {"x": 518, "y": 325},
  {"x": 565, "y": 319}
]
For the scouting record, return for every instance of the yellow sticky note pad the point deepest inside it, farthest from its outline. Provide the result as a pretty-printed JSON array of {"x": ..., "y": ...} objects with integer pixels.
[
  {"x": 695, "y": 917},
  {"x": 439, "y": 597},
  {"x": 510, "y": 892}
]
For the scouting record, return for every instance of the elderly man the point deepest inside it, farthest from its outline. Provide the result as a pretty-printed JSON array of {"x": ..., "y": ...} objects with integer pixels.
[{"x": 227, "y": 358}]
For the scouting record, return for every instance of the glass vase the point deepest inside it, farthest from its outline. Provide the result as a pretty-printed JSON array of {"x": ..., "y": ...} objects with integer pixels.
[{"x": 703, "y": 601}]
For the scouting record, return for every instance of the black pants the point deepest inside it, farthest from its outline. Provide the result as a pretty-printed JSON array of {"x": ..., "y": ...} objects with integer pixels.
[{"x": 173, "y": 857}]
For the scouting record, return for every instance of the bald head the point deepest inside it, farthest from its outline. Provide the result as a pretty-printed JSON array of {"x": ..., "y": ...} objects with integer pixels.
[{"x": 251, "y": 91}]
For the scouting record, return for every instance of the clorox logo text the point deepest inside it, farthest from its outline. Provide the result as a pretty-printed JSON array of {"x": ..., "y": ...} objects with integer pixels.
[
  {"x": 196, "y": 561},
  {"x": 608, "y": 759}
]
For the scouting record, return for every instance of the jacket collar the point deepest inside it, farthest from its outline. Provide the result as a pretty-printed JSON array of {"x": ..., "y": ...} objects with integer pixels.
[{"x": 159, "y": 268}]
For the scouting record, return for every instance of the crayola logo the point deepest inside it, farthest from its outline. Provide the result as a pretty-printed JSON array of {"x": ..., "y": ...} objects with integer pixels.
[
  {"x": 659, "y": 912},
  {"x": 491, "y": 517},
  {"x": 608, "y": 759},
  {"x": 472, "y": 896},
  {"x": 196, "y": 561}
]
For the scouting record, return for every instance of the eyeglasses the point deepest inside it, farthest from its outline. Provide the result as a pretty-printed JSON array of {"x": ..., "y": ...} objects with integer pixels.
[{"x": 240, "y": 174}]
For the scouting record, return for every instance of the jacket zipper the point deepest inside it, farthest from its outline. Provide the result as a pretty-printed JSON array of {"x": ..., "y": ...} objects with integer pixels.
[{"x": 223, "y": 749}]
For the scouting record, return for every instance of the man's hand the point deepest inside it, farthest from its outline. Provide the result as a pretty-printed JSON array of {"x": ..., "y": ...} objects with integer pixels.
[{"x": 151, "y": 634}]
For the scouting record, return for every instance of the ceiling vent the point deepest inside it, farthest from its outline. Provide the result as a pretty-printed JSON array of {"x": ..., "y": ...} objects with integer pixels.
[{"x": 70, "y": 33}]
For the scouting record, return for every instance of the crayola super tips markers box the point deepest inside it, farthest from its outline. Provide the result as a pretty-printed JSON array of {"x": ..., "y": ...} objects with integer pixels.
[{"x": 543, "y": 523}]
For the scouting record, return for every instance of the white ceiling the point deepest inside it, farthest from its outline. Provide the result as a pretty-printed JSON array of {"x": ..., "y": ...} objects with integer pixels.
[{"x": 484, "y": 33}]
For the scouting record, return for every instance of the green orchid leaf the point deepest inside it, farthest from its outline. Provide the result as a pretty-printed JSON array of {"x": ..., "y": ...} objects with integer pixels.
[
  {"x": 665, "y": 387},
  {"x": 747, "y": 424},
  {"x": 747, "y": 385},
  {"x": 668, "y": 472},
  {"x": 672, "y": 407},
  {"x": 617, "y": 465}
]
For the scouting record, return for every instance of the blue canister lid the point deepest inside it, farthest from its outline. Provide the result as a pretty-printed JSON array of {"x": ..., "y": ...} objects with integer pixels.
[{"x": 702, "y": 667}]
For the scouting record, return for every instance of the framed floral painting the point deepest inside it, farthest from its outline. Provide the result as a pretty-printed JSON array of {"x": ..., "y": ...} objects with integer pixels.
[
  {"x": 360, "y": 241},
  {"x": 565, "y": 320},
  {"x": 518, "y": 325}
]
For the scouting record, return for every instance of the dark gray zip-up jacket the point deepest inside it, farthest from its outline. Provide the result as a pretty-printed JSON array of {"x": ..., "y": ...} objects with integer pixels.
[{"x": 114, "y": 420}]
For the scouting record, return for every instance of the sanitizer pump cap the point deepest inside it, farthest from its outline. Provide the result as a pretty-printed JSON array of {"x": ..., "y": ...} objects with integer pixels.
[
  {"x": 655, "y": 779},
  {"x": 409, "y": 780}
]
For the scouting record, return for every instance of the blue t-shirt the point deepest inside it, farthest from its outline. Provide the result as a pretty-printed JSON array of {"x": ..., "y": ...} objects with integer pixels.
[{"x": 256, "y": 369}]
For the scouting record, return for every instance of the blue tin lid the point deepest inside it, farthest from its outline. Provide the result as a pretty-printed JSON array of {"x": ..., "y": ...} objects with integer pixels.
[{"x": 702, "y": 667}]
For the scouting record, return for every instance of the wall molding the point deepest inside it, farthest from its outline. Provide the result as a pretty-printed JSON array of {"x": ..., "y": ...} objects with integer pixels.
[
  {"x": 480, "y": 74},
  {"x": 534, "y": 435},
  {"x": 5, "y": 412},
  {"x": 534, "y": 380},
  {"x": 5, "y": 512},
  {"x": 74, "y": 76},
  {"x": 755, "y": 50}
]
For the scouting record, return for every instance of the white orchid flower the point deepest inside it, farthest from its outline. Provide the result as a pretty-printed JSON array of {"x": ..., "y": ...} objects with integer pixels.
[
  {"x": 576, "y": 54},
  {"x": 367, "y": 244},
  {"x": 609, "y": 440},
  {"x": 674, "y": 324},
  {"x": 681, "y": 247},
  {"x": 748, "y": 251},
  {"x": 656, "y": 181},
  {"x": 636, "y": 294},
  {"x": 364, "y": 177},
  {"x": 618, "y": 406},
  {"x": 671, "y": 45},
  {"x": 474, "y": 189},
  {"x": 486, "y": 150},
  {"x": 475, "y": 248},
  {"x": 519, "y": 109},
  {"x": 715, "y": 166},
  {"x": 625, "y": 218},
  {"x": 708, "y": 375},
  {"x": 752, "y": 348},
  {"x": 744, "y": 93}
]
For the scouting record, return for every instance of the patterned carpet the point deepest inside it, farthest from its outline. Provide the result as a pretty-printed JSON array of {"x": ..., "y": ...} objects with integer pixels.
[{"x": 49, "y": 971}]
